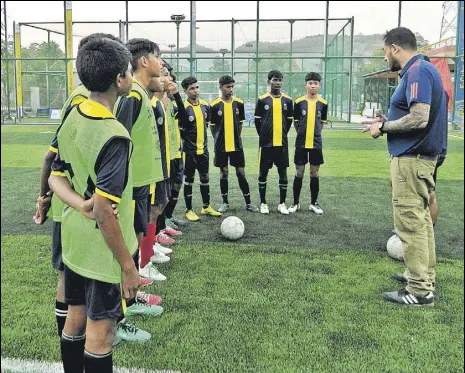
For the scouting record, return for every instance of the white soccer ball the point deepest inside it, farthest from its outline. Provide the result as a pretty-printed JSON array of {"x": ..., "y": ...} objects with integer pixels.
[
  {"x": 232, "y": 228},
  {"x": 395, "y": 248}
]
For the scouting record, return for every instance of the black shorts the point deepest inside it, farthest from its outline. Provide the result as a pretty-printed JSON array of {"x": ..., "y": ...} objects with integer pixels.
[
  {"x": 236, "y": 159},
  {"x": 57, "y": 259},
  {"x": 140, "y": 200},
  {"x": 193, "y": 162},
  {"x": 276, "y": 155},
  {"x": 162, "y": 194},
  {"x": 313, "y": 156},
  {"x": 176, "y": 171},
  {"x": 102, "y": 300}
]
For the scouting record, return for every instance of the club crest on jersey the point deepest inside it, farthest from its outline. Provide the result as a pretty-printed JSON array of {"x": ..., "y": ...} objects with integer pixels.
[
  {"x": 220, "y": 113},
  {"x": 304, "y": 112},
  {"x": 160, "y": 120},
  {"x": 285, "y": 106},
  {"x": 267, "y": 107},
  {"x": 191, "y": 118},
  {"x": 237, "y": 111},
  {"x": 319, "y": 114}
]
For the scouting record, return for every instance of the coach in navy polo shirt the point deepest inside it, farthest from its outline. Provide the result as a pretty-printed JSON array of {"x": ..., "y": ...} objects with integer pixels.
[{"x": 416, "y": 128}]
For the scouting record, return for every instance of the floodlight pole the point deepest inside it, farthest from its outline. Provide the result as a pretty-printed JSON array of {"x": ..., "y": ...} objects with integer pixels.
[
  {"x": 326, "y": 47},
  {"x": 256, "y": 50},
  {"x": 7, "y": 54}
]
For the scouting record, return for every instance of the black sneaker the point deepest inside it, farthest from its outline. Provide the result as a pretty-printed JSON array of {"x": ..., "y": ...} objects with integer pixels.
[
  {"x": 400, "y": 277},
  {"x": 406, "y": 299}
]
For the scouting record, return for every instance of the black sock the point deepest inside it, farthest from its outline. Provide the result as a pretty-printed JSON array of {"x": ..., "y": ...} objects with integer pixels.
[
  {"x": 61, "y": 312},
  {"x": 98, "y": 363},
  {"x": 297, "y": 189},
  {"x": 161, "y": 222},
  {"x": 172, "y": 204},
  {"x": 282, "y": 191},
  {"x": 262, "y": 189},
  {"x": 314, "y": 188},
  {"x": 224, "y": 190},
  {"x": 121, "y": 318},
  {"x": 244, "y": 185},
  {"x": 188, "y": 196},
  {"x": 205, "y": 191},
  {"x": 72, "y": 353}
]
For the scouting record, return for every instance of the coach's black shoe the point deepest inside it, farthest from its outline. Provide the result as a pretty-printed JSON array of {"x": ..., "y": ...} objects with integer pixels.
[
  {"x": 400, "y": 277},
  {"x": 406, "y": 299}
]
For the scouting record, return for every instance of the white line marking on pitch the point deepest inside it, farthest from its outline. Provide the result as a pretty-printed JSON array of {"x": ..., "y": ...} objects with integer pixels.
[
  {"x": 30, "y": 366},
  {"x": 457, "y": 137}
]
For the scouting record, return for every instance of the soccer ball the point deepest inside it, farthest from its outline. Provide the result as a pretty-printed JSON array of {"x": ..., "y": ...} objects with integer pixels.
[
  {"x": 232, "y": 228},
  {"x": 395, "y": 248}
]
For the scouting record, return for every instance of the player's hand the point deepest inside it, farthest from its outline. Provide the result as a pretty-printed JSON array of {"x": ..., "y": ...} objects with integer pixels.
[
  {"x": 43, "y": 205},
  {"x": 87, "y": 209},
  {"x": 130, "y": 281},
  {"x": 173, "y": 87}
]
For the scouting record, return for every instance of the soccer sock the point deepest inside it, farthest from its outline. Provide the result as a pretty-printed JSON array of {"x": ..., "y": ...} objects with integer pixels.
[
  {"x": 297, "y": 189},
  {"x": 161, "y": 222},
  {"x": 205, "y": 191},
  {"x": 61, "y": 312},
  {"x": 72, "y": 353},
  {"x": 282, "y": 191},
  {"x": 224, "y": 189},
  {"x": 98, "y": 363},
  {"x": 262, "y": 189},
  {"x": 314, "y": 188},
  {"x": 146, "y": 247},
  {"x": 244, "y": 185},
  {"x": 169, "y": 210},
  {"x": 188, "y": 196}
]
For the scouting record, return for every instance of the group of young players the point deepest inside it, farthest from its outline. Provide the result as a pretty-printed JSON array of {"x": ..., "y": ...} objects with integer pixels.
[{"x": 116, "y": 166}]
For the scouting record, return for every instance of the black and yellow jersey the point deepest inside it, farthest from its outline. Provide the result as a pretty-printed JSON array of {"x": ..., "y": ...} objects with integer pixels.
[
  {"x": 226, "y": 119},
  {"x": 193, "y": 123},
  {"x": 273, "y": 119},
  {"x": 310, "y": 115}
]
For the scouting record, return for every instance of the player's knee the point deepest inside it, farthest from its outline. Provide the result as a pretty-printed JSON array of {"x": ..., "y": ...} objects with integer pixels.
[
  {"x": 299, "y": 173},
  {"x": 283, "y": 181},
  {"x": 314, "y": 174},
  {"x": 177, "y": 187},
  {"x": 204, "y": 178},
  {"x": 224, "y": 174},
  {"x": 240, "y": 173},
  {"x": 188, "y": 179},
  {"x": 101, "y": 335}
]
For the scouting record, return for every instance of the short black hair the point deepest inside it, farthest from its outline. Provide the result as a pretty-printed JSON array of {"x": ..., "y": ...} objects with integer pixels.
[
  {"x": 313, "y": 76},
  {"x": 173, "y": 76},
  {"x": 426, "y": 58},
  {"x": 100, "y": 61},
  {"x": 188, "y": 81},
  {"x": 168, "y": 66},
  {"x": 141, "y": 47},
  {"x": 226, "y": 80},
  {"x": 98, "y": 35},
  {"x": 401, "y": 36},
  {"x": 275, "y": 74}
]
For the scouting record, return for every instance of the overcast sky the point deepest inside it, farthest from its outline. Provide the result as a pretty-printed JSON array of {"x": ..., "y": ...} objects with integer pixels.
[{"x": 370, "y": 17}]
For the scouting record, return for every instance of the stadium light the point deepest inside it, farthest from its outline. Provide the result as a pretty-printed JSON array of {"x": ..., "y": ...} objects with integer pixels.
[{"x": 177, "y": 18}]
